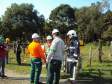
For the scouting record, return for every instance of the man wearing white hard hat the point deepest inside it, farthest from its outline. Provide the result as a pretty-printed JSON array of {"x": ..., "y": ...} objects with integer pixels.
[
  {"x": 73, "y": 53},
  {"x": 36, "y": 55},
  {"x": 49, "y": 41},
  {"x": 55, "y": 58},
  {"x": 47, "y": 46}
]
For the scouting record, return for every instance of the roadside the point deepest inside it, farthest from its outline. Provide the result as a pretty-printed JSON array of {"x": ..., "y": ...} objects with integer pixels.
[
  {"x": 15, "y": 78},
  {"x": 20, "y": 78}
]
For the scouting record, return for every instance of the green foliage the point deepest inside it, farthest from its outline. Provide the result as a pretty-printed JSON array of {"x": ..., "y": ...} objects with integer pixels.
[
  {"x": 25, "y": 67},
  {"x": 0, "y": 25},
  {"x": 19, "y": 19},
  {"x": 88, "y": 72},
  {"x": 63, "y": 10},
  {"x": 90, "y": 22},
  {"x": 63, "y": 18},
  {"x": 107, "y": 30},
  {"x": 108, "y": 34},
  {"x": 96, "y": 67}
]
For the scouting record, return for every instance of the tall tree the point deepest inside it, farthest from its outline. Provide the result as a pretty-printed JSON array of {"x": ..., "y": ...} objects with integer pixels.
[
  {"x": 0, "y": 25},
  {"x": 20, "y": 20},
  {"x": 63, "y": 17},
  {"x": 90, "y": 21},
  {"x": 107, "y": 32}
]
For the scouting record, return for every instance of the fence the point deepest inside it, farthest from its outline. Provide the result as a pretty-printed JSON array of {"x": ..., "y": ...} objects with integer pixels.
[{"x": 106, "y": 57}]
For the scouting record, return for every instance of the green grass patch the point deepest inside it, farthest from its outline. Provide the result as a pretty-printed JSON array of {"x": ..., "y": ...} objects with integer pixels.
[
  {"x": 97, "y": 69},
  {"x": 24, "y": 67}
]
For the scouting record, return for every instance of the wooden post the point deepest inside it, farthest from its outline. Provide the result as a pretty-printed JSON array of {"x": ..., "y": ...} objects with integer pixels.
[
  {"x": 111, "y": 48},
  {"x": 100, "y": 51},
  {"x": 90, "y": 57}
]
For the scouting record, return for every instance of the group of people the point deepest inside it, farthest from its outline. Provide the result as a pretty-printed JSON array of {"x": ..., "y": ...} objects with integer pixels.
[{"x": 53, "y": 56}]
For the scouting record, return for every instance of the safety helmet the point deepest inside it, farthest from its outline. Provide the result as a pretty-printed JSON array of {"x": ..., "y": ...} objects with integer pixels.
[
  {"x": 35, "y": 35},
  {"x": 55, "y": 31},
  {"x": 72, "y": 33},
  {"x": 1, "y": 39},
  {"x": 7, "y": 40},
  {"x": 49, "y": 37}
]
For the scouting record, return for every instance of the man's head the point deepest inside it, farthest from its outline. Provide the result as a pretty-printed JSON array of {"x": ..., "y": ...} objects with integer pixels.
[
  {"x": 35, "y": 36},
  {"x": 55, "y": 32},
  {"x": 49, "y": 37},
  {"x": 71, "y": 33},
  {"x": 7, "y": 40}
]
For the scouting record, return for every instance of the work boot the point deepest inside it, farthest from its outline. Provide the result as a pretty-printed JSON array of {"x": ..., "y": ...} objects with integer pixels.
[{"x": 3, "y": 76}]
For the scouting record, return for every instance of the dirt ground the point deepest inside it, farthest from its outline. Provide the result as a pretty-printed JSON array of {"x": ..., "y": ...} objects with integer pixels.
[{"x": 17, "y": 78}]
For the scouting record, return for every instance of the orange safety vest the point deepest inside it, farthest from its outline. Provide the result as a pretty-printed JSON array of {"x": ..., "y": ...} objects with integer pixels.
[{"x": 35, "y": 50}]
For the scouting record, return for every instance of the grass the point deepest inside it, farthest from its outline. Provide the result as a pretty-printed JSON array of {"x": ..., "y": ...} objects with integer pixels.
[
  {"x": 25, "y": 67},
  {"x": 98, "y": 70}
]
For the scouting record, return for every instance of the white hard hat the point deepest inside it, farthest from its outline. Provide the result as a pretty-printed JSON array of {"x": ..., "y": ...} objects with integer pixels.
[
  {"x": 49, "y": 37},
  {"x": 55, "y": 31},
  {"x": 35, "y": 35},
  {"x": 72, "y": 33}
]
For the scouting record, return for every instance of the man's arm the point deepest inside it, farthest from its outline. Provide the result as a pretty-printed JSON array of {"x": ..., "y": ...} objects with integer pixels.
[{"x": 52, "y": 50}]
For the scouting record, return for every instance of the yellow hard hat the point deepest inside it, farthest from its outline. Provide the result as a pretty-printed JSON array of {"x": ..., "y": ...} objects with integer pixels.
[{"x": 7, "y": 40}]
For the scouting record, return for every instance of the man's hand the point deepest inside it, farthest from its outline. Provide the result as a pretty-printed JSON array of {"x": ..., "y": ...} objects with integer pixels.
[
  {"x": 46, "y": 60},
  {"x": 43, "y": 61}
]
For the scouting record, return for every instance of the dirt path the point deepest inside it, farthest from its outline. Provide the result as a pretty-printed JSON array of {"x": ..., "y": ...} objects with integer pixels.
[{"x": 17, "y": 78}]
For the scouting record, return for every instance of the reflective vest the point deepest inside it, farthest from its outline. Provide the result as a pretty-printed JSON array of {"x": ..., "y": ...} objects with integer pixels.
[{"x": 35, "y": 50}]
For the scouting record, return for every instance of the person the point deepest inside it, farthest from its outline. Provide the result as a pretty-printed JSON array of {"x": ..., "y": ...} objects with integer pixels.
[
  {"x": 37, "y": 55},
  {"x": 47, "y": 46},
  {"x": 54, "y": 58},
  {"x": 7, "y": 44},
  {"x": 73, "y": 53},
  {"x": 2, "y": 57},
  {"x": 18, "y": 53}
]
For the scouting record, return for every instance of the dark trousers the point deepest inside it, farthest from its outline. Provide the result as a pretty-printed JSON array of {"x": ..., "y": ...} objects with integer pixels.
[
  {"x": 36, "y": 67},
  {"x": 2, "y": 67},
  {"x": 70, "y": 67},
  {"x": 18, "y": 58},
  {"x": 53, "y": 72},
  {"x": 7, "y": 57}
]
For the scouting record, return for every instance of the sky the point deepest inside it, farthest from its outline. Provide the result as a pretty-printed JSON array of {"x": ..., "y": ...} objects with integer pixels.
[{"x": 46, "y": 6}]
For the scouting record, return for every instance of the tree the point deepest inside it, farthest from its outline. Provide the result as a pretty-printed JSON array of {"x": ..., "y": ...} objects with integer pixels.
[
  {"x": 63, "y": 17},
  {"x": 90, "y": 21},
  {"x": 108, "y": 34},
  {"x": 0, "y": 25},
  {"x": 20, "y": 20},
  {"x": 107, "y": 28}
]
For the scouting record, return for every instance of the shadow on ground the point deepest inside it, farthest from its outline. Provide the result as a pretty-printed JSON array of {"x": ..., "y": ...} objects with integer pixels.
[
  {"x": 83, "y": 78},
  {"x": 89, "y": 78}
]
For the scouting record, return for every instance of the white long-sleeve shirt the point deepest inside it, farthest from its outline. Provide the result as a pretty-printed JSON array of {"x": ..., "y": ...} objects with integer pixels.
[{"x": 56, "y": 50}]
